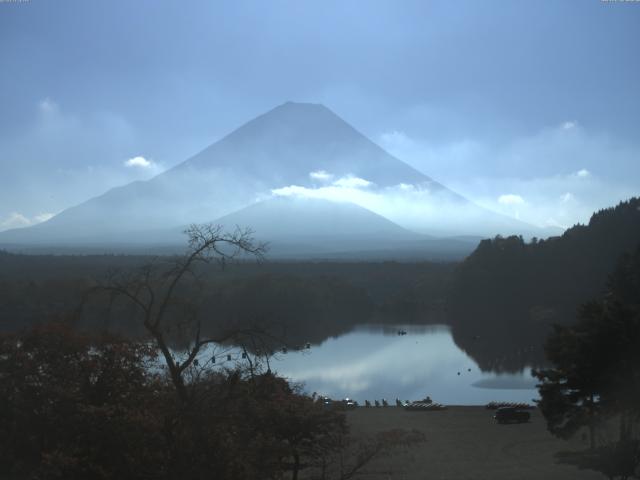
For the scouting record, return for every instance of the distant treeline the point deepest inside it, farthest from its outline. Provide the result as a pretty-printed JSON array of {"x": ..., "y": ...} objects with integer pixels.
[
  {"x": 505, "y": 296},
  {"x": 501, "y": 301},
  {"x": 307, "y": 302}
]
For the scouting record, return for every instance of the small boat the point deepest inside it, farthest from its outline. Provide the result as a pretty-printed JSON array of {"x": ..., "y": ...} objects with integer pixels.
[{"x": 424, "y": 405}]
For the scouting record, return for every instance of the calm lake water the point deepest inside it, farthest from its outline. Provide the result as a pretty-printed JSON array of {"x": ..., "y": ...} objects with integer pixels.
[{"x": 374, "y": 362}]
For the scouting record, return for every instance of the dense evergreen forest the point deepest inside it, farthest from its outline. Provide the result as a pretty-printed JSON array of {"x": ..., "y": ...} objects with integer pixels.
[
  {"x": 507, "y": 294},
  {"x": 501, "y": 301},
  {"x": 304, "y": 302}
]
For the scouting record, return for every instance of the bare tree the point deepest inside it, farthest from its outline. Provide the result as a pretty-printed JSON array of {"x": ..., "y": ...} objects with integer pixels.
[
  {"x": 304, "y": 435},
  {"x": 152, "y": 290}
]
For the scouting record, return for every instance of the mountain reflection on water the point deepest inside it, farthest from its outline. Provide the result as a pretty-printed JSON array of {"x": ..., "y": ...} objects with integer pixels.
[{"x": 374, "y": 362}]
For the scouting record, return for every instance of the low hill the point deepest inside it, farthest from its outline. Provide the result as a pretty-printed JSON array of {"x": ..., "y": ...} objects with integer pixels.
[
  {"x": 507, "y": 293},
  {"x": 304, "y": 228}
]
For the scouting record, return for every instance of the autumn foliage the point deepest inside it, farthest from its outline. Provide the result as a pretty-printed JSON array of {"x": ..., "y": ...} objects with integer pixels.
[{"x": 74, "y": 406}]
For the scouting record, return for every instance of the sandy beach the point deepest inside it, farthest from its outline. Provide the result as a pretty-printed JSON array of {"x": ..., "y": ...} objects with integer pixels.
[{"x": 466, "y": 443}]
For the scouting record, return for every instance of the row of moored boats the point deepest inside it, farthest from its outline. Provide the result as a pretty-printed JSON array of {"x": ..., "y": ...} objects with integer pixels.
[
  {"x": 426, "y": 405},
  {"x": 420, "y": 405},
  {"x": 518, "y": 405}
]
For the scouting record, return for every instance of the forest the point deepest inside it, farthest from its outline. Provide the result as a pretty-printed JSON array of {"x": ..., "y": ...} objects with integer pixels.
[
  {"x": 327, "y": 296},
  {"x": 501, "y": 302},
  {"x": 83, "y": 336},
  {"x": 506, "y": 296}
]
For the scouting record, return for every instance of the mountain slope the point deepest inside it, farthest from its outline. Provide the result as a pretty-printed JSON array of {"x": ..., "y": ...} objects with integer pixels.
[
  {"x": 280, "y": 149},
  {"x": 282, "y": 217},
  {"x": 303, "y": 226}
]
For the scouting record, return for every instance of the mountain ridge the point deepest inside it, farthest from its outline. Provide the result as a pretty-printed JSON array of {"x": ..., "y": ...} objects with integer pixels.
[{"x": 280, "y": 148}]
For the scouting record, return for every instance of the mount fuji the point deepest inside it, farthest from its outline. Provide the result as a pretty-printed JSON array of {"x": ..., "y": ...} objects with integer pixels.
[{"x": 258, "y": 175}]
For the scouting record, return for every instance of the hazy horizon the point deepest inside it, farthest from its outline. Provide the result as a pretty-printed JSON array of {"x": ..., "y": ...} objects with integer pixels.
[{"x": 527, "y": 109}]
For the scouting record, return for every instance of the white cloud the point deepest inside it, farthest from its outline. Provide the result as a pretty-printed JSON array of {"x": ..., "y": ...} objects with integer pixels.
[
  {"x": 511, "y": 199},
  {"x": 297, "y": 191},
  {"x": 321, "y": 175},
  {"x": 558, "y": 200},
  {"x": 14, "y": 220},
  {"x": 139, "y": 162},
  {"x": 143, "y": 168},
  {"x": 18, "y": 220},
  {"x": 43, "y": 217},
  {"x": 540, "y": 167},
  {"x": 559, "y": 149},
  {"x": 351, "y": 181},
  {"x": 416, "y": 207},
  {"x": 62, "y": 158},
  {"x": 333, "y": 193}
]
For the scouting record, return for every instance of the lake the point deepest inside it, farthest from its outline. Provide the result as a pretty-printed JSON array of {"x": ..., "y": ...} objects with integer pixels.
[{"x": 374, "y": 362}]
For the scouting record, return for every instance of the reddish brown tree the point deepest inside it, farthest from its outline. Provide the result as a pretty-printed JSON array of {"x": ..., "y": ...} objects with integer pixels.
[{"x": 76, "y": 407}]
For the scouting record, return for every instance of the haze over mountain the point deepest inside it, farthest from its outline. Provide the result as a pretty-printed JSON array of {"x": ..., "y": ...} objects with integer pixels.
[
  {"x": 509, "y": 112},
  {"x": 296, "y": 150},
  {"x": 298, "y": 227}
]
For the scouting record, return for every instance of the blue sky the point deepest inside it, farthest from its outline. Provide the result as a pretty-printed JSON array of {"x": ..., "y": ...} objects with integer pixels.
[{"x": 528, "y": 108}]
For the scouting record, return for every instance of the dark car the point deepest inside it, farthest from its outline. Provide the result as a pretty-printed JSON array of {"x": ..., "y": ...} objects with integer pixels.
[{"x": 511, "y": 415}]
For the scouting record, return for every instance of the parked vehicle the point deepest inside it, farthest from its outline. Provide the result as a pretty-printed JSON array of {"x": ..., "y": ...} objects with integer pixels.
[{"x": 511, "y": 415}]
